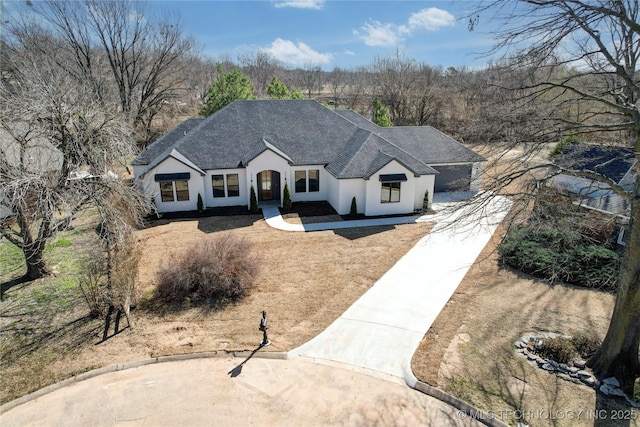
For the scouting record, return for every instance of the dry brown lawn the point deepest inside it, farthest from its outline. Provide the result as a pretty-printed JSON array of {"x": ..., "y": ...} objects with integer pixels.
[{"x": 307, "y": 280}]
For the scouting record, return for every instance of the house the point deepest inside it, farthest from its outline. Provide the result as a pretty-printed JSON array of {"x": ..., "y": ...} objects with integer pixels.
[
  {"x": 617, "y": 164},
  {"x": 321, "y": 154}
]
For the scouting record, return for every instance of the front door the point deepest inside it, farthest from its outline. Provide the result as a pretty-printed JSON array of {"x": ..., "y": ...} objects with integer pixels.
[
  {"x": 268, "y": 185},
  {"x": 265, "y": 184}
]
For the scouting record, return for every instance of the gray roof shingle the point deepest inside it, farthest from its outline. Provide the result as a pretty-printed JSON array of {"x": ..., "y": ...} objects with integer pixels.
[
  {"x": 167, "y": 140},
  {"x": 305, "y": 133}
]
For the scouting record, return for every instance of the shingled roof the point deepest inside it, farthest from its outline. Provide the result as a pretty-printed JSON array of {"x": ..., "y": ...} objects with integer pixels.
[
  {"x": 304, "y": 132},
  {"x": 611, "y": 162}
]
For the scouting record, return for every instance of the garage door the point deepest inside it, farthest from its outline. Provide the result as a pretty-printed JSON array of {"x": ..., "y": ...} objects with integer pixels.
[{"x": 452, "y": 178}]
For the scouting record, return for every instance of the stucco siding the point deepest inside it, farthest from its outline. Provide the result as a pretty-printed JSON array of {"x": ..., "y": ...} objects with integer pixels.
[
  {"x": 172, "y": 166},
  {"x": 374, "y": 205},
  {"x": 309, "y": 196},
  {"x": 241, "y": 199},
  {"x": 350, "y": 188},
  {"x": 268, "y": 160},
  {"x": 422, "y": 184}
]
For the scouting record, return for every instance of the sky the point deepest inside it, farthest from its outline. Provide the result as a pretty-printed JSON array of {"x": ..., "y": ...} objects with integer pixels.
[{"x": 332, "y": 33}]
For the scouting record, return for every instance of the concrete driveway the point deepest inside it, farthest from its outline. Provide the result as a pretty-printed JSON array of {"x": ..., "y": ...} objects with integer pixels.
[{"x": 382, "y": 329}]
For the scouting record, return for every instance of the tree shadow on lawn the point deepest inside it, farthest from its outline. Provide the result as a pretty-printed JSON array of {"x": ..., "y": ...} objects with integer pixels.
[
  {"x": 360, "y": 232},
  {"x": 210, "y": 220},
  {"x": 68, "y": 336},
  {"x": 4, "y": 287}
]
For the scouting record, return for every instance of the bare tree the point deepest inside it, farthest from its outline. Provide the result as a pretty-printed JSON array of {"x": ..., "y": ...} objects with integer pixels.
[
  {"x": 584, "y": 57},
  {"x": 337, "y": 81},
  {"x": 144, "y": 55},
  {"x": 311, "y": 80},
  {"x": 395, "y": 82},
  {"x": 57, "y": 141},
  {"x": 260, "y": 67}
]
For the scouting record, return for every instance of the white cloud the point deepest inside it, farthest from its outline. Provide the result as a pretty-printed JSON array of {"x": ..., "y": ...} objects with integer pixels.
[
  {"x": 375, "y": 33},
  {"x": 301, "y": 4},
  {"x": 349, "y": 52},
  {"x": 431, "y": 19},
  {"x": 298, "y": 54}
]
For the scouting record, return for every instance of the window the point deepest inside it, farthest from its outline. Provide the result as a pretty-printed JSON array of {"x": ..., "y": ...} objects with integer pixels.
[
  {"x": 233, "y": 185},
  {"x": 166, "y": 191},
  {"x": 301, "y": 181},
  {"x": 390, "y": 192},
  {"x": 217, "y": 182},
  {"x": 181, "y": 188},
  {"x": 314, "y": 180}
]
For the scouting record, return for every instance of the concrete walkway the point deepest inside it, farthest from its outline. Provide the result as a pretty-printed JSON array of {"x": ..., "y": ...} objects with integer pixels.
[
  {"x": 274, "y": 219},
  {"x": 382, "y": 329}
]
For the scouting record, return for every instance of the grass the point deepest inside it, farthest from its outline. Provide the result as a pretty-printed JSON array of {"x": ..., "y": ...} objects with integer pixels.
[{"x": 40, "y": 320}]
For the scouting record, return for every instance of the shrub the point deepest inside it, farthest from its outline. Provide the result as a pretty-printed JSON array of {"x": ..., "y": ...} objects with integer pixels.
[
  {"x": 354, "y": 207},
  {"x": 560, "y": 255},
  {"x": 425, "y": 201},
  {"x": 253, "y": 201},
  {"x": 220, "y": 269},
  {"x": 286, "y": 198},
  {"x": 563, "y": 144},
  {"x": 200, "y": 204},
  {"x": 585, "y": 343},
  {"x": 559, "y": 349}
]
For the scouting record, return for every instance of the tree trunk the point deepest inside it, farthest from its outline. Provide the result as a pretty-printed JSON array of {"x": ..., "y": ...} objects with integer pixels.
[
  {"x": 618, "y": 354},
  {"x": 34, "y": 257},
  {"x": 107, "y": 322}
]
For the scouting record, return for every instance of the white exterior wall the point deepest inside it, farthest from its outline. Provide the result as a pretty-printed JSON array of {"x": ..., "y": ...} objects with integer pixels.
[
  {"x": 268, "y": 160},
  {"x": 171, "y": 165},
  {"x": 422, "y": 184},
  {"x": 333, "y": 191},
  {"x": 476, "y": 176},
  {"x": 348, "y": 188},
  {"x": 242, "y": 199},
  {"x": 407, "y": 192},
  {"x": 307, "y": 196}
]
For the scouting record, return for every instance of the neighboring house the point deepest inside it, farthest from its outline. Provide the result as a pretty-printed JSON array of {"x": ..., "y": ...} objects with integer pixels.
[
  {"x": 38, "y": 155},
  {"x": 615, "y": 163},
  {"x": 321, "y": 154}
]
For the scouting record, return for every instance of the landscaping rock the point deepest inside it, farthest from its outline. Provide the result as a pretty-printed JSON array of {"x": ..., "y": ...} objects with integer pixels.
[
  {"x": 612, "y": 381},
  {"x": 590, "y": 381},
  {"x": 611, "y": 391},
  {"x": 549, "y": 367},
  {"x": 583, "y": 374},
  {"x": 579, "y": 363},
  {"x": 573, "y": 369}
]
